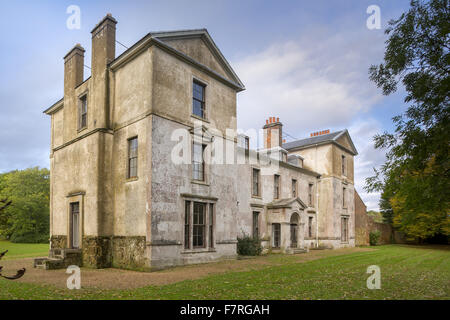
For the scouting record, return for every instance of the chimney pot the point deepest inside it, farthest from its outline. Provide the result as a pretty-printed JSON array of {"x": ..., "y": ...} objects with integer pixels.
[
  {"x": 278, "y": 119},
  {"x": 267, "y": 121}
]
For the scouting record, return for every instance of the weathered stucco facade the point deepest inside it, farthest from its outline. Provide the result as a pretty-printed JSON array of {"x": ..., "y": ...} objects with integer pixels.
[{"x": 119, "y": 197}]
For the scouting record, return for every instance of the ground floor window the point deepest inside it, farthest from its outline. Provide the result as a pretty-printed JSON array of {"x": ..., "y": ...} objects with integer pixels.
[
  {"x": 276, "y": 234},
  {"x": 255, "y": 224},
  {"x": 344, "y": 229},
  {"x": 199, "y": 220},
  {"x": 310, "y": 227}
]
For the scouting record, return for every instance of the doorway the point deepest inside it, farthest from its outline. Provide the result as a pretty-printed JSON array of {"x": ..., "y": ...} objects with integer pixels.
[{"x": 294, "y": 230}]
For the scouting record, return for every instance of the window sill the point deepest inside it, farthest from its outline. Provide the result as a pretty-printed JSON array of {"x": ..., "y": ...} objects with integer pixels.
[
  {"x": 256, "y": 197},
  {"x": 132, "y": 179},
  {"x": 82, "y": 129},
  {"x": 199, "y": 182},
  {"x": 199, "y": 118},
  {"x": 200, "y": 250}
]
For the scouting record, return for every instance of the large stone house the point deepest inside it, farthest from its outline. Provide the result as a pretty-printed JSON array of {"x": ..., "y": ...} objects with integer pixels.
[{"x": 135, "y": 176}]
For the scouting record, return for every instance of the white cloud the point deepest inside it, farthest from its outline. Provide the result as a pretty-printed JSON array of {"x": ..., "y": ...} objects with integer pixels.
[{"x": 314, "y": 83}]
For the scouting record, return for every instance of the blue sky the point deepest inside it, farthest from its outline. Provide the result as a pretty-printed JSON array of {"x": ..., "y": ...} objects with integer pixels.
[{"x": 303, "y": 61}]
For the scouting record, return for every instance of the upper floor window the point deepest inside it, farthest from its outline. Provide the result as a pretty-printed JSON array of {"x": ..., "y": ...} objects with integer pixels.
[
  {"x": 310, "y": 194},
  {"x": 198, "y": 164},
  {"x": 344, "y": 196},
  {"x": 246, "y": 143},
  {"x": 198, "y": 95},
  {"x": 82, "y": 112},
  {"x": 294, "y": 188},
  {"x": 344, "y": 165},
  {"x": 132, "y": 157},
  {"x": 255, "y": 182},
  {"x": 276, "y": 188}
]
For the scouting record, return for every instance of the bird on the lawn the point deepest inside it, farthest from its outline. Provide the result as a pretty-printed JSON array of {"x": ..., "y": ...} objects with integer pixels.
[
  {"x": 3, "y": 253},
  {"x": 18, "y": 275}
]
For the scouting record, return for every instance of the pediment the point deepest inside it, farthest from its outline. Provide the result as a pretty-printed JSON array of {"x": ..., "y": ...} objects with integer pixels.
[
  {"x": 198, "y": 45},
  {"x": 287, "y": 203},
  {"x": 344, "y": 140}
]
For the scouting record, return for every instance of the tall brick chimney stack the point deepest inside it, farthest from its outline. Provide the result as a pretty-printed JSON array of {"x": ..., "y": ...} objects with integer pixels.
[
  {"x": 273, "y": 131},
  {"x": 73, "y": 69},
  {"x": 103, "y": 52}
]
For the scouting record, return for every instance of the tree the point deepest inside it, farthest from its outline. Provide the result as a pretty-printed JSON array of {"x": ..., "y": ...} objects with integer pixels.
[
  {"x": 26, "y": 218},
  {"x": 414, "y": 180}
]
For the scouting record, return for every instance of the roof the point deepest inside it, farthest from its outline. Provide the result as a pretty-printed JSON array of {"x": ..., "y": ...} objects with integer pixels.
[{"x": 322, "y": 139}]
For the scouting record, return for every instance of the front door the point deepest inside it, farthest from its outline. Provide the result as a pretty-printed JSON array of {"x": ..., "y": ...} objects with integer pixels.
[
  {"x": 294, "y": 236},
  {"x": 75, "y": 224}
]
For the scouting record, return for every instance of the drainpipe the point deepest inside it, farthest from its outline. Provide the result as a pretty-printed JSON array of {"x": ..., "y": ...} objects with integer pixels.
[
  {"x": 317, "y": 213},
  {"x": 317, "y": 203}
]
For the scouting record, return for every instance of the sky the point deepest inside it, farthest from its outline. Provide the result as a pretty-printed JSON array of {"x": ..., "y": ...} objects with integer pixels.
[{"x": 305, "y": 62}]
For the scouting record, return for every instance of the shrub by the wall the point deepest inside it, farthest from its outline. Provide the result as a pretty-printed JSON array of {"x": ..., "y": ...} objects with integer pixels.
[
  {"x": 249, "y": 246},
  {"x": 374, "y": 237}
]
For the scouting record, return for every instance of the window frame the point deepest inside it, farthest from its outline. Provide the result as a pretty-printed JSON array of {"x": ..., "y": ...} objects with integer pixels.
[
  {"x": 203, "y": 162},
  {"x": 187, "y": 224},
  {"x": 311, "y": 194},
  {"x": 344, "y": 230},
  {"x": 310, "y": 227},
  {"x": 81, "y": 112},
  {"x": 255, "y": 224},
  {"x": 276, "y": 229},
  {"x": 294, "y": 188},
  {"x": 344, "y": 197},
  {"x": 200, "y": 226},
  {"x": 276, "y": 186},
  {"x": 258, "y": 182},
  {"x": 129, "y": 157},
  {"x": 344, "y": 165},
  {"x": 202, "y": 102}
]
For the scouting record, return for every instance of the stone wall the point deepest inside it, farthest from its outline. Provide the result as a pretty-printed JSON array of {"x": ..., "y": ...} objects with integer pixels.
[
  {"x": 96, "y": 251},
  {"x": 129, "y": 252},
  {"x": 364, "y": 225},
  {"x": 58, "y": 242}
]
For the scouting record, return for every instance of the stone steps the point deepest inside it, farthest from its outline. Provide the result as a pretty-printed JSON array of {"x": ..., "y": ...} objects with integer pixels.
[{"x": 59, "y": 259}]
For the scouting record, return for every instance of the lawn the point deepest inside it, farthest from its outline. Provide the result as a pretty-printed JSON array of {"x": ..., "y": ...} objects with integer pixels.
[
  {"x": 23, "y": 250},
  {"x": 407, "y": 272}
]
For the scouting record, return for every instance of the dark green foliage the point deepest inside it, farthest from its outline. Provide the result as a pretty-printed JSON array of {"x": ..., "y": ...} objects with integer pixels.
[
  {"x": 26, "y": 219},
  {"x": 415, "y": 179},
  {"x": 374, "y": 237},
  {"x": 249, "y": 246}
]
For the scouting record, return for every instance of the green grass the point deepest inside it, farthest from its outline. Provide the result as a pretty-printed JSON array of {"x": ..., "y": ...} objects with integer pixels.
[
  {"x": 406, "y": 273},
  {"x": 23, "y": 250}
]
